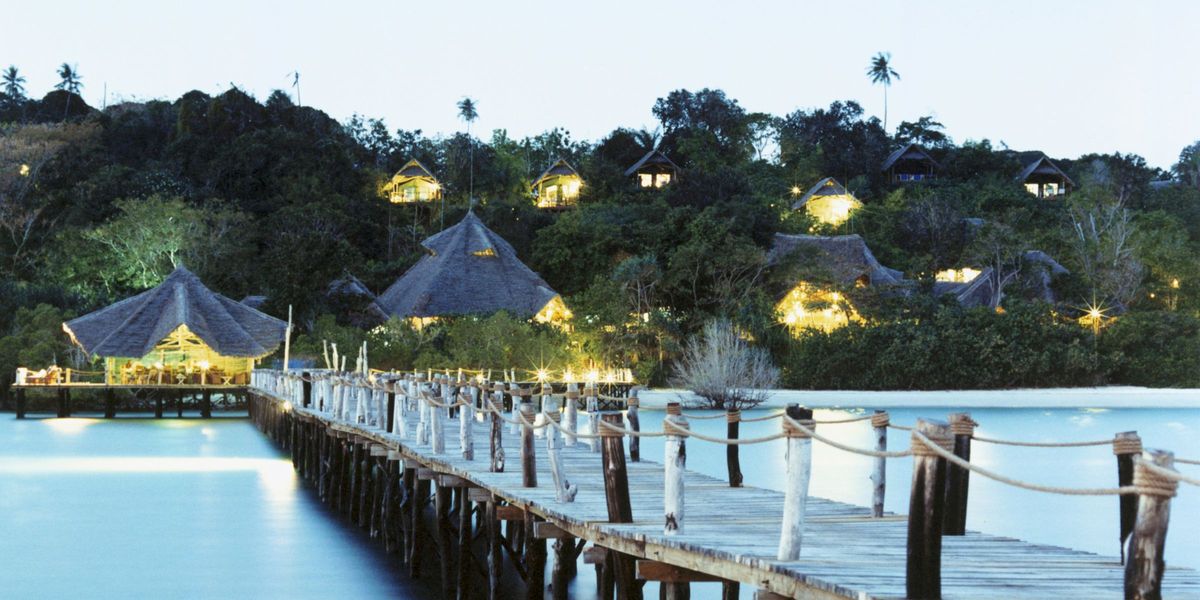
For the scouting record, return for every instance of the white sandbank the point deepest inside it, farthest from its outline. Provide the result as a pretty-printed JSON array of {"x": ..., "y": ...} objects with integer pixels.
[{"x": 1099, "y": 397}]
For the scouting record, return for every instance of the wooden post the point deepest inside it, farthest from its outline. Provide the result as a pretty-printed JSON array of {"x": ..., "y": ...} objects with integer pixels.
[
  {"x": 879, "y": 472},
  {"x": 110, "y": 403},
  {"x": 733, "y": 419},
  {"x": 570, "y": 420},
  {"x": 535, "y": 556},
  {"x": 564, "y": 491},
  {"x": 437, "y": 424},
  {"x": 466, "y": 423},
  {"x": 926, "y": 510},
  {"x": 158, "y": 404},
  {"x": 391, "y": 406},
  {"x": 528, "y": 459},
  {"x": 962, "y": 427},
  {"x": 20, "y": 403},
  {"x": 306, "y": 388},
  {"x": 1126, "y": 446},
  {"x": 674, "y": 466},
  {"x": 423, "y": 408},
  {"x": 799, "y": 470},
  {"x": 635, "y": 424},
  {"x": 494, "y": 558},
  {"x": 417, "y": 513},
  {"x": 593, "y": 409},
  {"x": 206, "y": 404},
  {"x": 1144, "y": 571},
  {"x": 564, "y": 560},
  {"x": 616, "y": 497},
  {"x": 441, "y": 502},
  {"x": 497, "y": 448}
]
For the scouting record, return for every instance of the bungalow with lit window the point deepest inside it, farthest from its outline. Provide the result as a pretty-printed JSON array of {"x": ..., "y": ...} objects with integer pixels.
[
  {"x": 827, "y": 266},
  {"x": 1042, "y": 178},
  {"x": 654, "y": 170},
  {"x": 910, "y": 163},
  {"x": 412, "y": 183},
  {"x": 828, "y": 202},
  {"x": 557, "y": 187},
  {"x": 177, "y": 333},
  {"x": 977, "y": 287},
  {"x": 469, "y": 270}
]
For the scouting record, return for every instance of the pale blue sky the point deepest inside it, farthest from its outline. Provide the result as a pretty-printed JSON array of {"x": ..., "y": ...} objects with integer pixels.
[{"x": 1064, "y": 77}]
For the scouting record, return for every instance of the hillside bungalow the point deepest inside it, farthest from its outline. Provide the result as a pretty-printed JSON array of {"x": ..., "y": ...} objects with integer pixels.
[
  {"x": 1042, "y": 178},
  {"x": 828, "y": 202},
  {"x": 654, "y": 170},
  {"x": 976, "y": 287},
  {"x": 352, "y": 296},
  {"x": 469, "y": 270},
  {"x": 842, "y": 261},
  {"x": 177, "y": 333},
  {"x": 910, "y": 163},
  {"x": 412, "y": 183},
  {"x": 557, "y": 187}
]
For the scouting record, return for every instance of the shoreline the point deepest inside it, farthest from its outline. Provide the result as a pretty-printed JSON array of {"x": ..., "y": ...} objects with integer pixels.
[{"x": 1097, "y": 397}]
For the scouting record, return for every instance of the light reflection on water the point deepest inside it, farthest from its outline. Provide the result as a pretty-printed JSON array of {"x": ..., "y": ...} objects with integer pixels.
[{"x": 170, "y": 508}]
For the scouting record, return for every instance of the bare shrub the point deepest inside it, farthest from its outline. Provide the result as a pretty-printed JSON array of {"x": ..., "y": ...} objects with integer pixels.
[{"x": 724, "y": 370}]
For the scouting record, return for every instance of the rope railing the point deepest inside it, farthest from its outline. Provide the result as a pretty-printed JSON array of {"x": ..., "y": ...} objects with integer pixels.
[{"x": 840, "y": 446}]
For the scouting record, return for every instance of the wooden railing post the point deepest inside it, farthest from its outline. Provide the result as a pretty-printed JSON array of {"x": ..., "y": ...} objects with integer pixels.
[
  {"x": 616, "y": 497},
  {"x": 528, "y": 458},
  {"x": 593, "y": 409},
  {"x": 390, "y": 387},
  {"x": 1126, "y": 446},
  {"x": 1144, "y": 571},
  {"x": 306, "y": 382},
  {"x": 799, "y": 469},
  {"x": 514, "y": 393},
  {"x": 879, "y": 421},
  {"x": 564, "y": 491},
  {"x": 570, "y": 420},
  {"x": 926, "y": 512},
  {"x": 733, "y": 419},
  {"x": 958, "y": 479},
  {"x": 674, "y": 464},
  {"x": 466, "y": 422},
  {"x": 497, "y": 448},
  {"x": 635, "y": 424}
]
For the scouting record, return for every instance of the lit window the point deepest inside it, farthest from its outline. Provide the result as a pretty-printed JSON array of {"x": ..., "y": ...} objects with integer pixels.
[
  {"x": 645, "y": 180},
  {"x": 662, "y": 179},
  {"x": 1032, "y": 188}
]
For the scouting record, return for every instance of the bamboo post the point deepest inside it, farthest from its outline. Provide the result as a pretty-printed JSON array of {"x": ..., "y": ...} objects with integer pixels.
[
  {"x": 879, "y": 421},
  {"x": 564, "y": 491},
  {"x": 528, "y": 459},
  {"x": 733, "y": 419},
  {"x": 466, "y": 422},
  {"x": 570, "y": 415},
  {"x": 923, "y": 574},
  {"x": 616, "y": 497},
  {"x": 799, "y": 470},
  {"x": 958, "y": 479},
  {"x": 674, "y": 466},
  {"x": 1126, "y": 446},
  {"x": 497, "y": 448},
  {"x": 593, "y": 410},
  {"x": 635, "y": 424},
  {"x": 1144, "y": 570}
]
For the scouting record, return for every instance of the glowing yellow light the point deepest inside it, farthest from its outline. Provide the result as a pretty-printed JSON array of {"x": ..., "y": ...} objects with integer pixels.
[
  {"x": 593, "y": 376},
  {"x": 287, "y": 407},
  {"x": 203, "y": 365},
  {"x": 542, "y": 375},
  {"x": 1095, "y": 313},
  {"x": 795, "y": 190},
  {"x": 158, "y": 365},
  {"x": 1175, "y": 284},
  {"x": 610, "y": 377},
  {"x": 24, "y": 170},
  {"x": 568, "y": 376}
]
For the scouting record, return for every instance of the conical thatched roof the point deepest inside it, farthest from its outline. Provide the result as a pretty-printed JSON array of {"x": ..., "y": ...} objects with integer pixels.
[
  {"x": 845, "y": 257},
  {"x": 559, "y": 167},
  {"x": 469, "y": 270},
  {"x": 350, "y": 286},
  {"x": 825, "y": 187},
  {"x": 132, "y": 327}
]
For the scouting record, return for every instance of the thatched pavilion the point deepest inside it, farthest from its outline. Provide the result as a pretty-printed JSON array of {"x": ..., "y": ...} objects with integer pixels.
[
  {"x": 654, "y": 170},
  {"x": 910, "y": 163},
  {"x": 828, "y": 202},
  {"x": 412, "y": 183},
  {"x": 179, "y": 332},
  {"x": 557, "y": 187},
  {"x": 469, "y": 270},
  {"x": 1043, "y": 178}
]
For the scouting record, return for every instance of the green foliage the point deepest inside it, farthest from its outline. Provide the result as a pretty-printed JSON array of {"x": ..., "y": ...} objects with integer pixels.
[
  {"x": 1156, "y": 349},
  {"x": 34, "y": 340}
]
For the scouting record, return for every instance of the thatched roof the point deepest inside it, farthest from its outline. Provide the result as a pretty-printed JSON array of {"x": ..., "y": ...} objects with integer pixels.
[
  {"x": 414, "y": 168},
  {"x": 845, "y": 257},
  {"x": 652, "y": 158},
  {"x": 560, "y": 167},
  {"x": 350, "y": 286},
  {"x": 1037, "y": 281},
  {"x": 1042, "y": 165},
  {"x": 825, "y": 187},
  {"x": 469, "y": 270},
  {"x": 912, "y": 151},
  {"x": 134, "y": 326}
]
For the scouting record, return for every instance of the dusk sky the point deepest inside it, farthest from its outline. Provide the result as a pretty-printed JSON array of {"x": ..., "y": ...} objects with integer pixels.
[{"x": 1064, "y": 77}]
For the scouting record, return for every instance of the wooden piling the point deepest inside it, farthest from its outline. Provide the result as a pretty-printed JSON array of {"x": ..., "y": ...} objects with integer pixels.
[
  {"x": 1144, "y": 570},
  {"x": 20, "y": 402},
  {"x": 962, "y": 427},
  {"x": 1126, "y": 446},
  {"x": 564, "y": 490},
  {"x": 528, "y": 458},
  {"x": 206, "y": 404},
  {"x": 570, "y": 420},
  {"x": 391, "y": 407},
  {"x": 635, "y": 424},
  {"x": 496, "y": 449},
  {"x": 464, "y": 541},
  {"x": 110, "y": 403},
  {"x": 158, "y": 404},
  {"x": 733, "y": 419},
  {"x": 441, "y": 506},
  {"x": 879, "y": 421},
  {"x": 616, "y": 498},
  {"x": 495, "y": 560},
  {"x": 674, "y": 466},
  {"x": 466, "y": 423},
  {"x": 535, "y": 559},
  {"x": 799, "y": 470},
  {"x": 926, "y": 512},
  {"x": 593, "y": 410},
  {"x": 415, "y": 531}
]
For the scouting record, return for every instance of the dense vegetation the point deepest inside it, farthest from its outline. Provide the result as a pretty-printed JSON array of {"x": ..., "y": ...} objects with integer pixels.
[{"x": 277, "y": 199}]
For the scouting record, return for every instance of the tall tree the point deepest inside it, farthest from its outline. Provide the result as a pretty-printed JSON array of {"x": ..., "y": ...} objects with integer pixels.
[
  {"x": 71, "y": 83},
  {"x": 14, "y": 84},
  {"x": 881, "y": 71},
  {"x": 467, "y": 112}
]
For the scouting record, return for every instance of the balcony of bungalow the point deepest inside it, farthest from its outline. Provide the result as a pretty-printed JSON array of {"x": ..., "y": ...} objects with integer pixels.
[{"x": 557, "y": 188}]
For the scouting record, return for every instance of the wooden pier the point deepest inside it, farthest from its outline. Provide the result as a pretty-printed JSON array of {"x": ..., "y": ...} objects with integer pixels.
[
  {"x": 378, "y": 456},
  {"x": 164, "y": 396}
]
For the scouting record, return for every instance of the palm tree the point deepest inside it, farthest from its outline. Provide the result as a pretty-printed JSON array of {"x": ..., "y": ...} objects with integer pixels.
[
  {"x": 71, "y": 83},
  {"x": 467, "y": 112},
  {"x": 881, "y": 71},
  {"x": 13, "y": 84}
]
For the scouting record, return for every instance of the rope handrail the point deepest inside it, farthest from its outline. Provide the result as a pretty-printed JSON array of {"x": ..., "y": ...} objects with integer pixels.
[
  {"x": 1168, "y": 473},
  {"x": 840, "y": 446},
  {"x": 630, "y": 432},
  {"x": 1187, "y": 461},
  {"x": 1081, "y": 444}
]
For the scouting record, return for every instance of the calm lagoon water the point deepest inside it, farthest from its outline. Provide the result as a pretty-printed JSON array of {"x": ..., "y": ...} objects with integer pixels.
[{"x": 210, "y": 509}]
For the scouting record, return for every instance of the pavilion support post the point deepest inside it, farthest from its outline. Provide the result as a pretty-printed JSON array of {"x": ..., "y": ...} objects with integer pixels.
[
  {"x": 535, "y": 559},
  {"x": 528, "y": 457},
  {"x": 20, "y": 403},
  {"x": 879, "y": 421},
  {"x": 799, "y": 471},
  {"x": 674, "y": 465},
  {"x": 1144, "y": 570},
  {"x": 110, "y": 403},
  {"x": 926, "y": 512},
  {"x": 616, "y": 497},
  {"x": 635, "y": 424},
  {"x": 158, "y": 404},
  {"x": 1126, "y": 446},
  {"x": 733, "y": 419},
  {"x": 178, "y": 398},
  {"x": 496, "y": 447},
  {"x": 962, "y": 427},
  {"x": 206, "y": 404}
]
